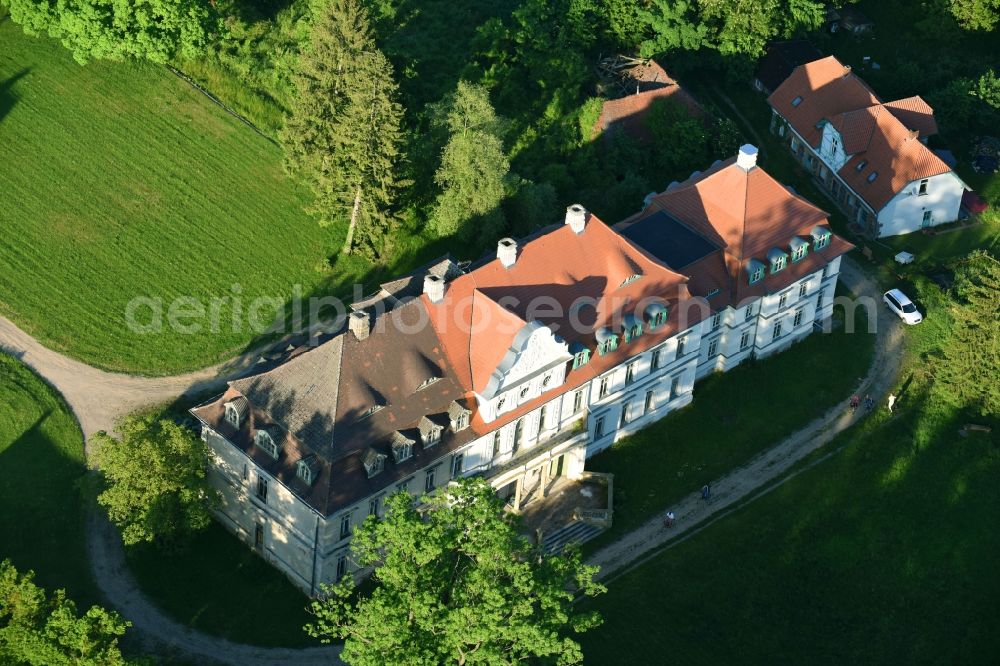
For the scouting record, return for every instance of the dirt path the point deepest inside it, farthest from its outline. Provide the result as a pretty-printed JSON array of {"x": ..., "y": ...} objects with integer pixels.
[
  {"x": 742, "y": 483},
  {"x": 97, "y": 398}
]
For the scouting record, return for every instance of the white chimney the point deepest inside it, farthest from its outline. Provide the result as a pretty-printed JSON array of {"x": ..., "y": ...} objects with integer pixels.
[
  {"x": 576, "y": 218},
  {"x": 434, "y": 287},
  {"x": 507, "y": 252},
  {"x": 359, "y": 323},
  {"x": 746, "y": 159}
]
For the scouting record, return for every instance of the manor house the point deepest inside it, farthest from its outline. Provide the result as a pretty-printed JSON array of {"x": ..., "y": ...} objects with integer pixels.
[{"x": 518, "y": 367}]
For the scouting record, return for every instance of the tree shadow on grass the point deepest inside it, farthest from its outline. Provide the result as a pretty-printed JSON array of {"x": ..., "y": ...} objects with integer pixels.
[{"x": 7, "y": 96}]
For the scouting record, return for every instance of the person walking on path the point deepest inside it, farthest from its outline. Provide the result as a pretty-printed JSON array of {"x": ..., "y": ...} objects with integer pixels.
[
  {"x": 869, "y": 402},
  {"x": 892, "y": 402},
  {"x": 855, "y": 401},
  {"x": 706, "y": 492},
  {"x": 669, "y": 520}
]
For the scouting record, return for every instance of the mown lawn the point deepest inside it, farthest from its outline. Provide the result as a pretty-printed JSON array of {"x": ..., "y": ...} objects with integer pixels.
[
  {"x": 218, "y": 585},
  {"x": 883, "y": 552},
  {"x": 734, "y": 416},
  {"x": 42, "y": 463},
  {"x": 120, "y": 180}
]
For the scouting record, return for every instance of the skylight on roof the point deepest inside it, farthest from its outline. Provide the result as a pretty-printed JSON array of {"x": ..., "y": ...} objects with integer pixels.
[
  {"x": 861, "y": 165},
  {"x": 797, "y": 101},
  {"x": 872, "y": 176}
]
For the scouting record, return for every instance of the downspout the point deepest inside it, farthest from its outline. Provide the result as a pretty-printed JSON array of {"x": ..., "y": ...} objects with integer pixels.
[{"x": 312, "y": 585}]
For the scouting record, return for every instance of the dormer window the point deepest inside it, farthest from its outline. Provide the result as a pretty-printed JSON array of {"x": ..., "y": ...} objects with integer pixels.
[
  {"x": 631, "y": 327},
  {"x": 427, "y": 382},
  {"x": 265, "y": 441},
  {"x": 236, "y": 410},
  {"x": 371, "y": 410},
  {"x": 581, "y": 355},
  {"x": 778, "y": 260},
  {"x": 821, "y": 237},
  {"x": 799, "y": 249},
  {"x": 374, "y": 462},
  {"x": 459, "y": 416},
  {"x": 607, "y": 341},
  {"x": 430, "y": 432},
  {"x": 656, "y": 315},
  {"x": 402, "y": 447},
  {"x": 308, "y": 468},
  {"x": 755, "y": 270},
  {"x": 713, "y": 292},
  {"x": 629, "y": 280},
  {"x": 872, "y": 176},
  {"x": 797, "y": 100},
  {"x": 861, "y": 165}
]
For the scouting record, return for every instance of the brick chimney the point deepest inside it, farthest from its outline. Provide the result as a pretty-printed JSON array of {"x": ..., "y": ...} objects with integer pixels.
[
  {"x": 576, "y": 218},
  {"x": 360, "y": 324},
  {"x": 746, "y": 159},
  {"x": 507, "y": 252},
  {"x": 434, "y": 287}
]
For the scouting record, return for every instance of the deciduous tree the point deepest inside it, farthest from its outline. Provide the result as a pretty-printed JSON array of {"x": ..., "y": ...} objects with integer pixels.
[
  {"x": 457, "y": 584},
  {"x": 970, "y": 365},
  {"x": 976, "y": 14},
  {"x": 119, "y": 29},
  {"x": 155, "y": 480},
  {"x": 47, "y": 631},
  {"x": 474, "y": 171},
  {"x": 344, "y": 132}
]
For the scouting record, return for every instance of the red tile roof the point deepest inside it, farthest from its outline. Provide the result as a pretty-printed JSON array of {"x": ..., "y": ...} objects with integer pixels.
[
  {"x": 746, "y": 213},
  {"x": 653, "y": 83},
  {"x": 883, "y": 136},
  {"x": 583, "y": 274},
  {"x": 826, "y": 88}
]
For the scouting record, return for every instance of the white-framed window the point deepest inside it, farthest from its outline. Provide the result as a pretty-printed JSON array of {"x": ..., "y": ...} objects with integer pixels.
[
  {"x": 345, "y": 525},
  {"x": 717, "y": 321},
  {"x": 777, "y": 331},
  {"x": 630, "y": 372},
  {"x": 263, "y": 440},
  {"x": 647, "y": 405},
  {"x": 745, "y": 340},
  {"x": 599, "y": 427},
  {"x": 803, "y": 289},
  {"x": 542, "y": 415},
  {"x": 783, "y": 301},
  {"x": 680, "y": 347},
  {"x": 922, "y": 189},
  {"x": 798, "y": 318},
  {"x": 232, "y": 415},
  {"x": 675, "y": 387},
  {"x": 577, "y": 401},
  {"x": 605, "y": 385},
  {"x": 748, "y": 313},
  {"x": 524, "y": 392},
  {"x": 262, "y": 488},
  {"x": 497, "y": 439},
  {"x": 655, "y": 358},
  {"x": 404, "y": 486},
  {"x": 625, "y": 415},
  {"x": 375, "y": 506},
  {"x": 713, "y": 347},
  {"x": 429, "y": 480},
  {"x": 341, "y": 567},
  {"x": 457, "y": 464}
]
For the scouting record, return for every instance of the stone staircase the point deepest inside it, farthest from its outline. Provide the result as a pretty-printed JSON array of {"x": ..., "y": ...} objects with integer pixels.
[{"x": 576, "y": 532}]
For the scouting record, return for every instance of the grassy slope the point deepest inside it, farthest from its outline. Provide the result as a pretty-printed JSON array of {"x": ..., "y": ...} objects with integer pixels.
[
  {"x": 121, "y": 180},
  {"x": 41, "y": 455},
  {"x": 220, "y": 586},
  {"x": 775, "y": 397},
  {"x": 882, "y": 554}
]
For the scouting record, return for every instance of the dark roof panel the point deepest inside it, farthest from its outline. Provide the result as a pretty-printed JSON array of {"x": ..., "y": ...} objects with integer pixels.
[{"x": 670, "y": 241}]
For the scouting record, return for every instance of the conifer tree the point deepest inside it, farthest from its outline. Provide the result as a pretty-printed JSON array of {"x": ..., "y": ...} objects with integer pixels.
[{"x": 344, "y": 132}]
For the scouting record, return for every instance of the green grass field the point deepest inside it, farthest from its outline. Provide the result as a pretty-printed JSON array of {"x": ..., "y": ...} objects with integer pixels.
[
  {"x": 775, "y": 397},
  {"x": 120, "y": 180},
  {"x": 218, "y": 585},
  {"x": 883, "y": 553},
  {"x": 42, "y": 463}
]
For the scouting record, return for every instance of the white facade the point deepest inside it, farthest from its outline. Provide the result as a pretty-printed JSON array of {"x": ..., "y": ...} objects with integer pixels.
[
  {"x": 923, "y": 203},
  {"x": 919, "y": 204}
]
